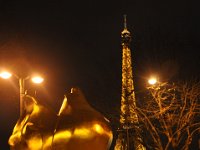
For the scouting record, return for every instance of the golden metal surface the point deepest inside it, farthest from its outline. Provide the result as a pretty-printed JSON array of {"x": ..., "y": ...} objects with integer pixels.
[{"x": 77, "y": 126}]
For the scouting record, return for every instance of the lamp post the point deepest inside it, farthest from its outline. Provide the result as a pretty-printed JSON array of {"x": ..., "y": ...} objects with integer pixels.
[{"x": 35, "y": 79}]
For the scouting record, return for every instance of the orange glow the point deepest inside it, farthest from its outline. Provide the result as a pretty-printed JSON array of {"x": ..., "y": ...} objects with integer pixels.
[
  {"x": 5, "y": 75},
  {"x": 63, "y": 135},
  {"x": 98, "y": 128},
  {"x": 37, "y": 79},
  {"x": 83, "y": 133},
  {"x": 152, "y": 81},
  {"x": 36, "y": 109},
  {"x": 24, "y": 128},
  {"x": 35, "y": 142}
]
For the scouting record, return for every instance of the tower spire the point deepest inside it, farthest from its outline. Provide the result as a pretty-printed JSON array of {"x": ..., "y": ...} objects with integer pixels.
[
  {"x": 128, "y": 136},
  {"x": 125, "y": 24},
  {"x": 125, "y": 34}
]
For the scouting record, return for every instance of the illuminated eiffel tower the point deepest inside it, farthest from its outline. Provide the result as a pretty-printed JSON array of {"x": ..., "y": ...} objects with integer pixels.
[{"x": 129, "y": 134}]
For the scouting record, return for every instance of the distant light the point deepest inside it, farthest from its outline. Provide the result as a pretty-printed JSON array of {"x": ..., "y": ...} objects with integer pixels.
[
  {"x": 5, "y": 75},
  {"x": 152, "y": 81},
  {"x": 37, "y": 79}
]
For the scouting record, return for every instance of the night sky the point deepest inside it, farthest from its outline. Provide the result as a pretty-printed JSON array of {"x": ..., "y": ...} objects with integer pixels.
[{"x": 77, "y": 43}]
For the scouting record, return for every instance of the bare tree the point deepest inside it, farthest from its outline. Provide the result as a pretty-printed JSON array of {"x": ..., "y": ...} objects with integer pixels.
[{"x": 171, "y": 115}]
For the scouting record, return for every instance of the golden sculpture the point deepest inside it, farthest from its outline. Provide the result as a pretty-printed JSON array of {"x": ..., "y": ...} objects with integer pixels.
[{"x": 77, "y": 126}]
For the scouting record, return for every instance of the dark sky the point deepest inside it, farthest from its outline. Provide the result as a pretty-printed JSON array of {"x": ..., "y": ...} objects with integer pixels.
[{"x": 77, "y": 43}]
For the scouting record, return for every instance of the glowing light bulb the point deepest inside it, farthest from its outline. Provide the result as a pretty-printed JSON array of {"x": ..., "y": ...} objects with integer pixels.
[
  {"x": 5, "y": 75},
  {"x": 152, "y": 81},
  {"x": 37, "y": 79}
]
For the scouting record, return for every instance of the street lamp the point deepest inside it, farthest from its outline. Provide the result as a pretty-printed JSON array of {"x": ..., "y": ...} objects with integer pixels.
[
  {"x": 152, "y": 81},
  {"x": 35, "y": 79},
  {"x": 5, "y": 75}
]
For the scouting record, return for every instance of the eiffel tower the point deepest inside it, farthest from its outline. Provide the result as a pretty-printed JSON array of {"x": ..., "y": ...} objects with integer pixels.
[{"x": 129, "y": 132}]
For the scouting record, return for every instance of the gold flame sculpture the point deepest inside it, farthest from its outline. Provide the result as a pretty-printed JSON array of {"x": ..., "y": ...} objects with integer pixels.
[{"x": 77, "y": 126}]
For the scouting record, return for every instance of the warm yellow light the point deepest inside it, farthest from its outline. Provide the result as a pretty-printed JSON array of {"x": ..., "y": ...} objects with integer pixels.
[
  {"x": 83, "y": 132},
  {"x": 37, "y": 79},
  {"x": 63, "y": 135},
  {"x": 35, "y": 142},
  {"x": 98, "y": 128},
  {"x": 5, "y": 75},
  {"x": 36, "y": 109},
  {"x": 152, "y": 81}
]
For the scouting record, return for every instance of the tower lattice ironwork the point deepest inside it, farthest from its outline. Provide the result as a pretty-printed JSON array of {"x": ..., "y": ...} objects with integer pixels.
[{"x": 129, "y": 134}]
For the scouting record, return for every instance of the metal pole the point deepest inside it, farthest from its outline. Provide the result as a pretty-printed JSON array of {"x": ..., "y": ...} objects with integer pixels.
[{"x": 22, "y": 93}]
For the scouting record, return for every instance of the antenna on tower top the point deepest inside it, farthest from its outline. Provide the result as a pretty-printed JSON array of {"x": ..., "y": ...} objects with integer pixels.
[{"x": 125, "y": 25}]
